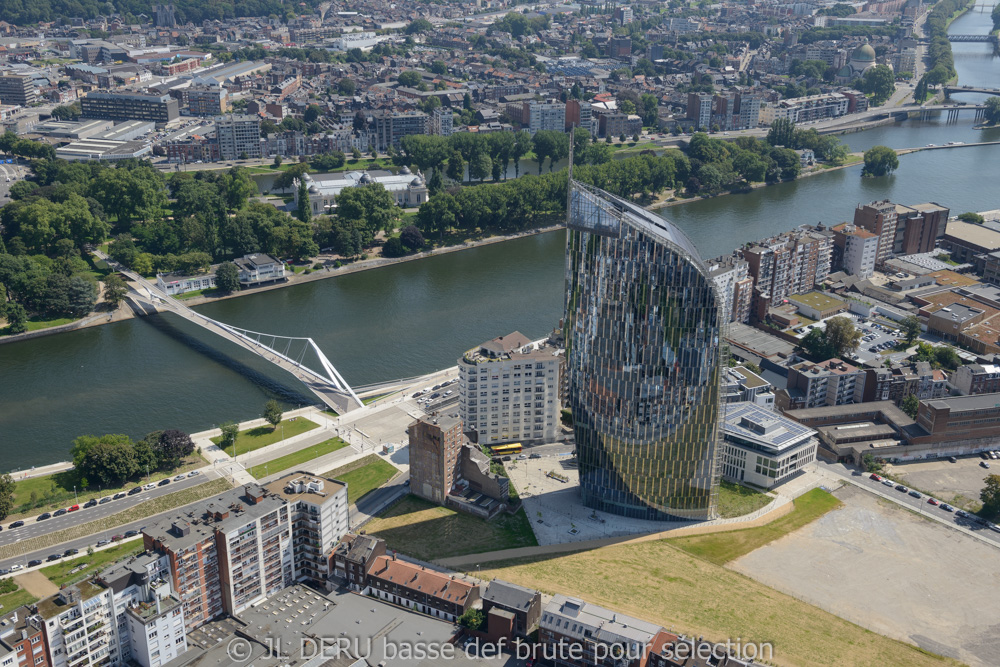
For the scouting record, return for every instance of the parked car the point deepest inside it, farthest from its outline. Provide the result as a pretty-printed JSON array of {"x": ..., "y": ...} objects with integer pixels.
[
  {"x": 4, "y": 571},
  {"x": 134, "y": 490},
  {"x": 90, "y": 503},
  {"x": 952, "y": 459},
  {"x": 71, "y": 552},
  {"x": 34, "y": 563},
  {"x": 16, "y": 524},
  {"x": 984, "y": 464},
  {"x": 435, "y": 395},
  {"x": 888, "y": 482},
  {"x": 164, "y": 482},
  {"x": 53, "y": 557},
  {"x": 194, "y": 473},
  {"x": 916, "y": 494},
  {"x": 15, "y": 567},
  {"x": 947, "y": 508},
  {"x": 117, "y": 538},
  {"x": 59, "y": 512},
  {"x": 901, "y": 488},
  {"x": 72, "y": 508},
  {"x": 961, "y": 513},
  {"x": 105, "y": 499},
  {"x": 43, "y": 516},
  {"x": 151, "y": 485},
  {"x": 131, "y": 533},
  {"x": 534, "y": 456},
  {"x": 931, "y": 501},
  {"x": 102, "y": 543},
  {"x": 877, "y": 478},
  {"x": 119, "y": 496},
  {"x": 984, "y": 455},
  {"x": 179, "y": 478}
]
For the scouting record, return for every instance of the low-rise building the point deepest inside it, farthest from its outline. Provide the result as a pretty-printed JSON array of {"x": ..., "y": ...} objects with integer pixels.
[
  {"x": 976, "y": 379},
  {"x": 174, "y": 284},
  {"x": 408, "y": 189},
  {"x": 576, "y": 633},
  {"x": 259, "y": 269},
  {"x": 763, "y": 448},
  {"x": 353, "y": 556},
  {"x": 426, "y": 591},
  {"x": 810, "y": 385},
  {"x": 524, "y": 603}
]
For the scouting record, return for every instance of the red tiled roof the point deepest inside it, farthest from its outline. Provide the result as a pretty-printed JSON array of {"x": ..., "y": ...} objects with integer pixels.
[{"x": 420, "y": 580}]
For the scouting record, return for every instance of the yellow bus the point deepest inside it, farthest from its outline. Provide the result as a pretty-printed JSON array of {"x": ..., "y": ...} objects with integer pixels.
[{"x": 503, "y": 450}]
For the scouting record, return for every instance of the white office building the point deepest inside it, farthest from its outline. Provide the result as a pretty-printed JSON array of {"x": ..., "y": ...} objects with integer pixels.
[
  {"x": 509, "y": 390},
  {"x": 762, "y": 447}
]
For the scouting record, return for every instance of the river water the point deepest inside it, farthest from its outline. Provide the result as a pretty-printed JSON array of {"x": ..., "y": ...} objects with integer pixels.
[{"x": 411, "y": 318}]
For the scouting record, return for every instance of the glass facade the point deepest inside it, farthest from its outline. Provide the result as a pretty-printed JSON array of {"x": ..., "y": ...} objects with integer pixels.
[{"x": 643, "y": 327}]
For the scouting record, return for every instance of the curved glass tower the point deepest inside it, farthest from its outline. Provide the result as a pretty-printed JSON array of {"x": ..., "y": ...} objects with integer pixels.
[{"x": 643, "y": 326}]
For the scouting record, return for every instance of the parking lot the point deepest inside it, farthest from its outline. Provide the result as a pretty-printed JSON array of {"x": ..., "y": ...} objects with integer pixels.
[
  {"x": 876, "y": 338},
  {"x": 958, "y": 483},
  {"x": 893, "y": 572}
]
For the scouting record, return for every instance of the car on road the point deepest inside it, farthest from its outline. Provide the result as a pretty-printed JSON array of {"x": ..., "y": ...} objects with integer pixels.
[
  {"x": 877, "y": 478},
  {"x": 947, "y": 508},
  {"x": 888, "y": 482},
  {"x": 931, "y": 501},
  {"x": 179, "y": 478},
  {"x": 916, "y": 494},
  {"x": 134, "y": 490},
  {"x": 71, "y": 552},
  {"x": 194, "y": 473},
  {"x": 102, "y": 543},
  {"x": 151, "y": 485},
  {"x": 90, "y": 503},
  {"x": 15, "y": 567},
  {"x": 105, "y": 499},
  {"x": 902, "y": 489},
  {"x": 131, "y": 533},
  {"x": 16, "y": 524},
  {"x": 72, "y": 508},
  {"x": 34, "y": 563},
  {"x": 117, "y": 538},
  {"x": 962, "y": 513},
  {"x": 59, "y": 512},
  {"x": 43, "y": 516},
  {"x": 952, "y": 459},
  {"x": 164, "y": 482},
  {"x": 984, "y": 464},
  {"x": 53, "y": 557},
  {"x": 118, "y": 496},
  {"x": 534, "y": 456}
]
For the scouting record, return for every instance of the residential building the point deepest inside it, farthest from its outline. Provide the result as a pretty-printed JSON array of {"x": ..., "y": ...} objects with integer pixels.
[
  {"x": 240, "y": 547},
  {"x": 238, "y": 136},
  {"x": 699, "y": 109},
  {"x": 509, "y": 390},
  {"x": 415, "y": 587},
  {"x": 791, "y": 263},
  {"x": 407, "y": 189},
  {"x": 879, "y": 218},
  {"x": 643, "y": 324},
  {"x": 570, "y": 627},
  {"x": 22, "y": 640},
  {"x": 580, "y": 114},
  {"x": 435, "y": 456},
  {"x": 620, "y": 47},
  {"x": 763, "y": 448},
  {"x": 353, "y": 556},
  {"x": 208, "y": 101},
  {"x": 391, "y": 126},
  {"x": 857, "y": 250},
  {"x": 748, "y": 110},
  {"x": 810, "y": 385},
  {"x": 805, "y": 109},
  {"x": 441, "y": 123},
  {"x": 259, "y": 269},
  {"x": 524, "y": 603},
  {"x": 613, "y": 124},
  {"x": 919, "y": 227},
  {"x": 160, "y": 109},
  {"x": 976, "y": 379},
  {"x": 731, "y": 275},
  {"x": 740, "y": 385},
  {"x": 18, "y": 89},
  {"x": 80, "y": 626},
  {"x": 174, "y": 284},
  {"x": 544, "y": 116}
]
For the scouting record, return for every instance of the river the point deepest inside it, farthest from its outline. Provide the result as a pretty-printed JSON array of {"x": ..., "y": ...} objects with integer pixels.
[{"x": 411, "y": 318}]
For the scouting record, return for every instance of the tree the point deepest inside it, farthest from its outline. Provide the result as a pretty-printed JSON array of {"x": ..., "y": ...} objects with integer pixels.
[
  {"x": 522, "y": 145},
  {"x": 311, "y": 113},
  {"x": 910, "y": 405},
  {"x": 7, "y": 486},
  {"x": 880, "y": 83},
  {"x": 480, "y": 165},
  {"x": 272, "y": 413},
  {"x": 471, "y": 619},
  {"x": 346, "y": 87},
  {"x": 973, "y": 218},
  {"x": 782, "y": 133},
  {"x": 277, "y": 161},
  {"x": 287, "y": 178},
  {"x": 409, "y": 78},
  {"x": 227, "y": 277},
  {"x": 17, "y": 318},
  {"x": 115, "y": 290},
  {"x": 870, "y": 463},
  {"x": 230, "y": 430},
  {"x": 303, "y": 210},
  {"x": 171, "y": 446},
  {"x": 419, "y": 26},
  {"x": 879, "y": 161},
  {"x": 911, "y": 329},
  {"x": 992, "y": 112},
  {"x": 411, "y": 237},
  {"x": 842, "y": 336},
  {"x": 110, "y": 461},
  {"x": 456, "y": 167},
  {"x": 990, "y": 494}
]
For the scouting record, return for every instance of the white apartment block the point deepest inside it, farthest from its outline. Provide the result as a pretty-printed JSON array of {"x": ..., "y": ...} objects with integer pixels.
[
  {"x": 859, "y": 249},
  {"x": 509, "y": 390},
  {"x": 238, "y": 135},
  {"x": 549, "y": 116},
  {"x": 80, "y": 626}
]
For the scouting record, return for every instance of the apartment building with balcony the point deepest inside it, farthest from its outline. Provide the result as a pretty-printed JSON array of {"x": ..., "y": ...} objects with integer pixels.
[
  {"x": 509, "y": 390},
  {"x": 879, "y": 218},
  {"x": 788, "y": 264},
  {"x": 22, "y": 641},
  {"x": 79, "y": 626},
  {"x": 856, "y": 250},
  {"x": 811, "y": 385}
]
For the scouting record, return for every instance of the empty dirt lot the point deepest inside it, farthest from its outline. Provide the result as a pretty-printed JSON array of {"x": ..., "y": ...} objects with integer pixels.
[{"x": 886, "y": 569}]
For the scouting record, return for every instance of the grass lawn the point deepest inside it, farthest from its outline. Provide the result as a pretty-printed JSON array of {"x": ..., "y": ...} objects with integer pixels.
[
  {"x": 363, "y": 475},
  {"x": 720, "y": 548},
  {"x": 737, "y": 500},
  {"x": 11, "y": 601},
  {"x": 55, "y": 491},
  {"x": 36, "y": 324},
  {"x": 262, "y": 436},
  {"x": 297, "y": 458},
  {"x": 420, "y": 528},
  {"x": 212, "y": 291},
  {"x": 60, "y": 573},
  {"x": 659, "y": 582}
]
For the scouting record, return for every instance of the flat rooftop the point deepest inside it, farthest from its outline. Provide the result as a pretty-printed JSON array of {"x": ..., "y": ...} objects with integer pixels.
[
  {"x": 759, "y": 342},
  {"x": 818, "y": 300},
  {"x": 305, "y": 489},
  {"x": 758, "y": 425},
  {"x": 966, "y": 403}
]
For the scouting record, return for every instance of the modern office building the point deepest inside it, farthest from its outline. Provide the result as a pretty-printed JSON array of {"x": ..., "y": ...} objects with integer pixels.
[
  {"x": 18, "y": 89},
  {"x": 509, "y": 390},
  {"x": 130, "y": 106},
  {"x": 643, "y": 327},
  {"x": 239, "y": 136},
  {"x": 762, "y": 447}
]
